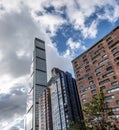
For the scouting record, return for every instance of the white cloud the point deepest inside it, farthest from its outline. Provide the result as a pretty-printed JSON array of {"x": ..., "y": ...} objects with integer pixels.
[
  {"x": 51, "y": 22},
  {"x": 91, "y": 31},
  {"x": 73, "y": 45}
]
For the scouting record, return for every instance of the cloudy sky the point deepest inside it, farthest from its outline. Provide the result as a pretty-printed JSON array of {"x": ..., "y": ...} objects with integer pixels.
[{"x": 68, "y": 28}]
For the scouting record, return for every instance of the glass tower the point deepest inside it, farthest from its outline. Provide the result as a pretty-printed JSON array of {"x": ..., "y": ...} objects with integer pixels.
[
  {"x": 38, "y": 82},
  {"x": 64, "y": 99}
]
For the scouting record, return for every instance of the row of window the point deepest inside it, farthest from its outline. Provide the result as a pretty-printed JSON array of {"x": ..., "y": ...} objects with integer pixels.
[{"x": 86, "y": 89}]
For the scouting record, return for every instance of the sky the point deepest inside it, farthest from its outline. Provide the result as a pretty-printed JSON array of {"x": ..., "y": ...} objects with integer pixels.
[{"x": 68, "y": 28}]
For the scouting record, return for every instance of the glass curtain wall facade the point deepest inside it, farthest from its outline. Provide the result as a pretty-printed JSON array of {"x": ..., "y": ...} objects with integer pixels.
[
  {"x": 64, "y": 99},
  {"x": 38, "y": 81}
]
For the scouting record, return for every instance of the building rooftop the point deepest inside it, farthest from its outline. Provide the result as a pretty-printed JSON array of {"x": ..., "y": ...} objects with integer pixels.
[{"x": 96, "y": 43}]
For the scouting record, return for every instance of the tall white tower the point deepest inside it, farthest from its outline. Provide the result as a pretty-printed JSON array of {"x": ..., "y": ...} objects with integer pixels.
[{"x": 38, "y": 82}]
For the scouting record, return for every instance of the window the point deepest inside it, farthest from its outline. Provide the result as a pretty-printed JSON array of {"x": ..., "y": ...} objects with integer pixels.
[
  {"x": 104, "y": 81},
  {"x": 103, "y": 61},
  {"x": 109, "y": 97},
  {"x": 93, "y": 58},
  {"x": 108, "y": 74},
  {"x": 115, "y": 109},
  {"x": 114, "y": 83},
  {"x": 114, "y": 77},
  {"x": 88, "y": 70},
  {"x": 98, "y": 74},
  {"x": 94, "y": 61},
  {"x": 91, "y": 82},
  {"x": 98, "y": 69},
  {"x": 114, "y": 50},
  {"x": 103, "y": 87},
  {"x": 83, "y": 95},
  {"x": 93, "y": 91},
  {"x": 113, "y": 45},
  {"x": 81, "y": 87},
  {"x": 115, "y": 54},
  {"x": 109, "y": 68},
  {"x": 104, "y": 56},
  {"x": 110, "y": 42},
  {"x": 90, "y": 78},
  {"x": 86, "y": 67},
  {"x": 117, "y": 102},
  {"x": 108, "y": 39},
  {"x": 83, "y": 100},
  {"x": 113, "y": 90},
  {"x": 107, "y": 104},
  {"x": 80, "y": 82}
]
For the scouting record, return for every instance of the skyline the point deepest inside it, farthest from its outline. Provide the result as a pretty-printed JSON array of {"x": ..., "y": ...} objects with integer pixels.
[{"x": 68, "y": 29}]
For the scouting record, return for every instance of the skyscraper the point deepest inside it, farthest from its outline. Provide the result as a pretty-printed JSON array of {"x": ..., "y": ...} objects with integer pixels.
[
  {"x": 64, "y": 99},
  {"x": 38, "y": 83},
  {"x": 98, "y": 69}
]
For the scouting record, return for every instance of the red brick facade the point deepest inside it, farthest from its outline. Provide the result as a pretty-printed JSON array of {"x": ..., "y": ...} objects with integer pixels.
[{"x": 98, "y": 68}]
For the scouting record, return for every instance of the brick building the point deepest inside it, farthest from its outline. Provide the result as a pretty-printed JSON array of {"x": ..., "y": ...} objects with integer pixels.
[
  {"x": 45, "y": 115},
  {"x": 98, "y": 68}
]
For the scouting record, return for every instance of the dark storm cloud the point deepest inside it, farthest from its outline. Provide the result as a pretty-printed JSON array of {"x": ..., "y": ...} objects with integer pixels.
[{"x": 13, "y": 103}]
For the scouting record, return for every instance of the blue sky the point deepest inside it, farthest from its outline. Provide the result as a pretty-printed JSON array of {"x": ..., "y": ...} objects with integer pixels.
[{"x": 68, "y": 28}]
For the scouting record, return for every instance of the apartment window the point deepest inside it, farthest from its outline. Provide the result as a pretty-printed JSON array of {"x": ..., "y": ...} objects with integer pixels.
[
  {"x": 113, "y": 90},
  {"x": 80, "y": 78},
  {"x": 114, "y": 77},
  {"x": 84, "y": 57},
  {"x": 109, "y": 97},
  {"x": 86, "y": 67},
  {"x": 91, "y": 82},
  {"x": 83, "y": 100},
  {"x": 81, "y": 87},
  {"x": 98, "y": 74},
  {"x": 102, "y": 88},
  {"x": 114, "y": 50},
  {"x": 109, "y": 68},
  {"x": 110, "y": 42},
  {"x": 113, "y": 45},
  {"x": 93, "y": 58},
  {"x": 108, "y": 39},
  {"x": 116, "y": 54},
  {"x": 98, "y": 69},
  {"x": 114, "y": 83},
  {"x": 104, "y": 81},
  {"x": 100, "y": 45},
  {"x": 75, "y": 62},
  {"x": 103, "y": 61},
  {"x": 94, "y": 61},
  {"x": 92, "y": 86},
  {"x": 80, "y": 82},
  {"x": 93, "y": 91},
  {"x": 90, "y": 78},
  {"x": 88, "y": 70},
  {"x": 108, "y": 74},
  {"x": 83, "y": 95},
  {"x": 117, "y": 102},
  {"x": 107, "y": 104},
  {"x": 104, "y": 56},
  {"x": 115, "y": 109}
]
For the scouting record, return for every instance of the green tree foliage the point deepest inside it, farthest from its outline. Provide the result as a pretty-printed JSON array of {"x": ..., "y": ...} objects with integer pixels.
[
  {"x": 78, "y": 125},
  {"x": 98, "y": 116}
]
